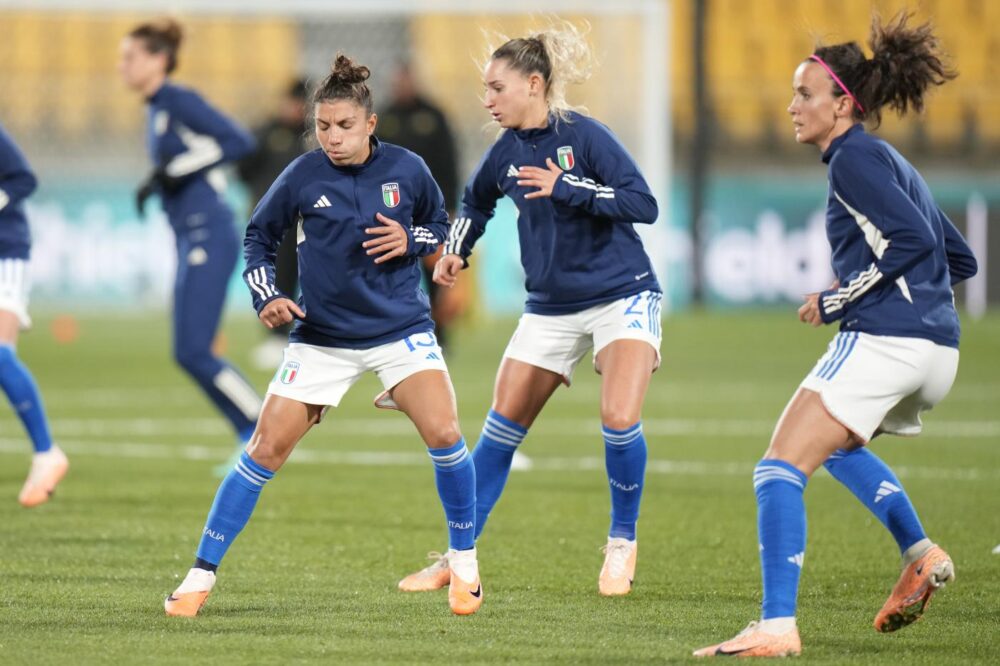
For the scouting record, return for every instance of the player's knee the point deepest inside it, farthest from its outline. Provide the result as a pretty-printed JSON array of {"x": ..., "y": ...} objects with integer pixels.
[
  {"x": 619, "y": 419},
  {"x": 442, "y": 435},
  {"x": 266, "y": 449},
  {"x": 191, "y": 360}
]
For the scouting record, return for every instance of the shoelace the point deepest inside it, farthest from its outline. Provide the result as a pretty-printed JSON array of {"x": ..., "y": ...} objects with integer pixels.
[
  {"x": 441, "y": 561},
  {"x": 617, "y": 558}
]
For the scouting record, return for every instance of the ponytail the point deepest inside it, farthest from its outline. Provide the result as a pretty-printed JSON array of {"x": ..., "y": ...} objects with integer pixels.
[
  {"x": 346, "y": 80},
  {"x": 905, "y": 63},
  {"x": 559, "y": 54}
]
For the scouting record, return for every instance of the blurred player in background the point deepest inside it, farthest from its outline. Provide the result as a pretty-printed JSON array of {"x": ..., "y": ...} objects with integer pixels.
[
  {"x": 896, "y": 257},
  {"x": 187, "y": 139},
  {"x": 49, "y": 464},
  {"x": 279, "y": 141},
  {"x": 590, "y": 283},
  {"x": 365, "y": 212}
]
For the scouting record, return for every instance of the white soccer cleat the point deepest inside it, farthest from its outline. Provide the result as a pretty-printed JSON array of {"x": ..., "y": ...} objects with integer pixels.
[
  {"x": 47, "y": 470},
  {"x": 618, "y": 571},
  {"x": 192, "y": 594},
  {"x": 432, "y": 577}
]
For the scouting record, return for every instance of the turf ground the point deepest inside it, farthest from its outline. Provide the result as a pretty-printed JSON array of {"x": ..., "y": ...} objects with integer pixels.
[{"x": 82, "y": 579}]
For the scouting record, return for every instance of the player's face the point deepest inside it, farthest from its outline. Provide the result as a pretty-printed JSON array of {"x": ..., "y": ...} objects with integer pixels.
[
  {"x": 814, "y": 109},
  {"x": 343, "y": 129},
  {"x": 510, "y": 95},
  {"x": 137, "y": 66}
]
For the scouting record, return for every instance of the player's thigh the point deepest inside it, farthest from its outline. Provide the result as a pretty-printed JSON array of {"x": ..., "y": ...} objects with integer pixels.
[
  {"x": 427, "y": 397},
  {"x": 282, "y": 423},
  {"x": 551, "y": 342},
  {"x": 522, "y": 389},
  {"x": 10, "y": 326},
  {"x": 626, "y": 367},
  {"x": 806, "y": 433},
  {"x": 206, "y": 258}
]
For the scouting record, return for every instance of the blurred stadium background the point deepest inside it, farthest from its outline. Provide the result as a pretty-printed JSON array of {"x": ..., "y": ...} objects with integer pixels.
[
  {"x": 82, "y": 578},
  {"x": 758, "y": 195}
]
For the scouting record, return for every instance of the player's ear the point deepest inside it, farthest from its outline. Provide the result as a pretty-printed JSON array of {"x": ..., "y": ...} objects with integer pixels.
[{"x": 372, "y": 122}]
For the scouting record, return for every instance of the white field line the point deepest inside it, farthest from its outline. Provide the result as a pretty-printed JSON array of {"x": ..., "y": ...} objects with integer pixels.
[
  {"x": 304, "y": 456},
  {"x": 395, "y": 425},
  {"x": 667, "y": 394}
]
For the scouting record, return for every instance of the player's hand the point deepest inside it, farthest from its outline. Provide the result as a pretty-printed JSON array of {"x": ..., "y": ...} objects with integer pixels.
[
  {"x": 809, "y": 312},
  {"x": 543, "y": 179},
  {"x": 146, "y": 190},
  {"x": 392, "y": 240},
  {"x": 446, "y": 270},
  {"x": 280, "y": 311}
]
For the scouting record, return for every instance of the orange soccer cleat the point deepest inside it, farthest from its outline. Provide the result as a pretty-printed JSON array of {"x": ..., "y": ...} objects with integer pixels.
[
  {"x": 47, "y": 470},
  {"x": 909, "y": 598},
  {"x": 432, "y": 577},
  {"x": 755, "y": 642},
  {"x": 192, "y": 594},
  {"x": 618, "y": 571}
]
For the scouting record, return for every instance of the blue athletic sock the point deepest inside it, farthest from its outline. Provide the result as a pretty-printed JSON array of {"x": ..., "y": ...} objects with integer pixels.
[
  {"x": 21, "y": 390},
  {"x": 234, "y": 502},
  {"x": 494, "y": 450},
  {"x": 781, "y": 530},
  {"x": 455, "y": 474},
  {"x": 872, "y": 482},
  {"x": 625, "y": 460}
]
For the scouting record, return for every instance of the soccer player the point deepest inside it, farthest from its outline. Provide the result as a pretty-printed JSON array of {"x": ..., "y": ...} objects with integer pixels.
[
  {"x": 365, "y": 212},
  {"x": 187, "y": 140},
  {"x": 49, "y": 464},
  {"x": 590, "y": 283},
  {"x": 896, "y": 257}
]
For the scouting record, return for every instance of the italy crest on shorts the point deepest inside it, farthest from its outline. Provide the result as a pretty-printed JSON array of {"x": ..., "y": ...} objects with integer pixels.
[
  {"x": 390, "y": 194},
  {"x": 565, "y": 156},
  {"x": 289, "y": 372}
]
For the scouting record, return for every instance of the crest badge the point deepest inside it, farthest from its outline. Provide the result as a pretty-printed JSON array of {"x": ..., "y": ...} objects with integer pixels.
[
  {"x": 289, "y": 372},
  {"x": 390, "y": 194},
  {"x": 565, "y": 157}
]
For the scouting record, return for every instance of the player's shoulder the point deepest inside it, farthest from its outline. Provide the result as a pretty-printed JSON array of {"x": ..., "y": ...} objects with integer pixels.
[
  {"x": 861, "y": 151},
  {"x": 305, "y": 165}
]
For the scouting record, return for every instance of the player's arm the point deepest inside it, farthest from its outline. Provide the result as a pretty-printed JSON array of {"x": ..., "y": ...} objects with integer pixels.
[
  {"x": 276, "y": 211},
  {"x": 17, "y": 181},
  {"x": 210, "y": 137},
  {"x": 866, "y": 184},
  {"x": 430, "y": 217},
  {"x": 618, "y": 193},
  {"x": 962, "y": 263},
  {"x": 479, "y": 201}
]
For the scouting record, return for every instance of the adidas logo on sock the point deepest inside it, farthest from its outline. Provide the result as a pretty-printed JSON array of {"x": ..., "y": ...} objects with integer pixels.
[
  {"x": 322, "y": 202},
  {"x": 511, "y": 171},
  {"x": 884, "y": 490},
  {"x": 797, "y": 559},
  {"x": 635, "y": 324}
]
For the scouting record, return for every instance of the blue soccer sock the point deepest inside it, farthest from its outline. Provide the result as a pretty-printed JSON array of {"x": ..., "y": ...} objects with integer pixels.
[
  {"x": 21, "y": 390},
  {"x": 234, "y": 502},
  {"x": 625, "y": 460},
  {"x": 455, "y": 474},
  {"x": 492, "y": 457},
  {"x": 874, "y": 484},
  {"x": 781, "y": 530}
]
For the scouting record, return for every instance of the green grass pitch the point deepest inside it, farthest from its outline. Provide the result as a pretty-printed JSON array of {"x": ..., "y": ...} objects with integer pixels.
[{"x": 313, "y": 577}]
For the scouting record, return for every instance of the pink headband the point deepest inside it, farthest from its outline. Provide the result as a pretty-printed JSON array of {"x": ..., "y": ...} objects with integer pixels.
[{"x": 839, "y": 82}]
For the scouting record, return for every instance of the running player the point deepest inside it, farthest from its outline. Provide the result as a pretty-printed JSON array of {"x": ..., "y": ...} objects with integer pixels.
[
  {"x": 187, "y": 140},
  {"x": 362, "y": 309},
  {"x": 49, "y": 464},
  {"x": 590, "y": 283},
  {"x": 896, "y": 257}
]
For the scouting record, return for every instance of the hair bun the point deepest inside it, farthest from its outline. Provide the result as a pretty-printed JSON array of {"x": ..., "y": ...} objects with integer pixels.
[{"x": 345, "y": 71}]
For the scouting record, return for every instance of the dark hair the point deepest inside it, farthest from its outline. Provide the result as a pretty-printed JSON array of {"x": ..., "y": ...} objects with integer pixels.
[
  {"x": 559, "y": 54},
  {"x": 346, "y": 81},
  {"x": 905, "y": 63},
  {"x": 161, "y": 36},
  {"x": 298, "y": 90}
]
